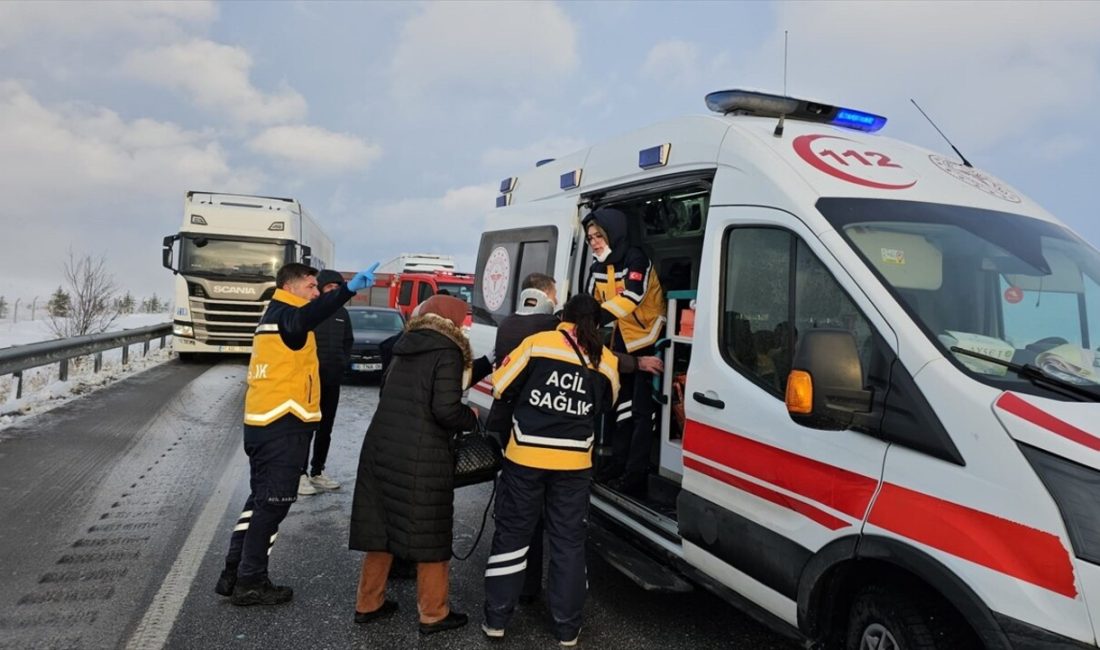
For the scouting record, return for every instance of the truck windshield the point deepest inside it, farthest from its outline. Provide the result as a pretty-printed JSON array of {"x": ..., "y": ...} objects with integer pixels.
[
  {"x": 464, "y": 291},
  {"x": 231, "y": 258},
  {"x": 1007, "y": 286}
]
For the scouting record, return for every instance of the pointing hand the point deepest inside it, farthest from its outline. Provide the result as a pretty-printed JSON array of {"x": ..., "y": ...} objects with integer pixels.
[{"x": 363, "y": 279}]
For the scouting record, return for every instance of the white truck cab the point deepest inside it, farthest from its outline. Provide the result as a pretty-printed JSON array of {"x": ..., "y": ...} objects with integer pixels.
[{"x": 879, "y": 424}]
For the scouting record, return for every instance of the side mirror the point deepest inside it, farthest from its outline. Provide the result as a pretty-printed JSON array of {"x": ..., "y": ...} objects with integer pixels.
[
  {"x": 307, "y": 256},
  {"x": 825, "y": 388},
  {"x": 166, "y": 254}
]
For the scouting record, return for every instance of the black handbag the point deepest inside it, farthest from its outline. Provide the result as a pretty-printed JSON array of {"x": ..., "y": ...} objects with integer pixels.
[{"x": 477, "y": 458}]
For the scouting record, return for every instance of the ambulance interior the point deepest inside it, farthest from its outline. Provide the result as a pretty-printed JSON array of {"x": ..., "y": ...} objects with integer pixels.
[{"x": 667, "y": 221}]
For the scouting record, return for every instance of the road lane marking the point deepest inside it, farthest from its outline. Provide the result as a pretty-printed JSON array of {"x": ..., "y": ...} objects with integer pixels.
[{"x": 161, "y": 615}]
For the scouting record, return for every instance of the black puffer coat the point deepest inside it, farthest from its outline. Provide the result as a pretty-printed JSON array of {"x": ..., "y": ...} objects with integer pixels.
[{"x": 404, "y": 492}]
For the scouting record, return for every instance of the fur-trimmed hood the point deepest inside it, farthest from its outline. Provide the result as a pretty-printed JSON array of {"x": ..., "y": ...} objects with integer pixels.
[{"x": 411, "y": 344}]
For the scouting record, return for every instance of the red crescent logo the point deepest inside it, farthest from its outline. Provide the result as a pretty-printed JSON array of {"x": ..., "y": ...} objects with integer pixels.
[{"x": 805, "y": 151}]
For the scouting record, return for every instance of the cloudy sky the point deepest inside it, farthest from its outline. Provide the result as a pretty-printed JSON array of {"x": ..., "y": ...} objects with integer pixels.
[{"x": 394, "y": 123}]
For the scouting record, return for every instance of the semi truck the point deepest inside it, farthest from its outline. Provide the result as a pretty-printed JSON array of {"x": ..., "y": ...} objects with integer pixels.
[{"x": 229, "y": 248}]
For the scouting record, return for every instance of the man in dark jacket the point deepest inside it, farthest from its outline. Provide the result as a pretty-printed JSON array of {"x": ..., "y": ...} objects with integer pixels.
[
  {"x": 281, "y": 410},
  {"x": 334, "y": 341}
]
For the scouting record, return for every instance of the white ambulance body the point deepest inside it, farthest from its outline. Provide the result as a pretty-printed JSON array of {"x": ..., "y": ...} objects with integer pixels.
[{"x": 928, "y": 492}]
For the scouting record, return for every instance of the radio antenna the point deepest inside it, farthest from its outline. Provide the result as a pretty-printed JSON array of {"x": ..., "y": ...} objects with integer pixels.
[
  {"x": 784, "y": 62},
  {"x": 953, "y": 147},
  {"x": 778, "y": 132}
]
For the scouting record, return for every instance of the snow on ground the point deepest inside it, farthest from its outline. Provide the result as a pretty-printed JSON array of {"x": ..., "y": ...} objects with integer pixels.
[{"x": 42, "y": 390}]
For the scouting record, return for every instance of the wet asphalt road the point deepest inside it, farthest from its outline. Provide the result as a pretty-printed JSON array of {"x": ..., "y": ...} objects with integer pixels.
[{"x": 117, "y": 511}]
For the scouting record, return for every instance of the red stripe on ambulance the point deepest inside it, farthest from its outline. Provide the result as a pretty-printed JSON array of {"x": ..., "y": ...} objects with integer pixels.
[
  {"x": 832, "y": 486},
  {"x": 1010, "y": 403},
  {"x": 1005, "y": 546},
  {"x": 778, "y": 498}
]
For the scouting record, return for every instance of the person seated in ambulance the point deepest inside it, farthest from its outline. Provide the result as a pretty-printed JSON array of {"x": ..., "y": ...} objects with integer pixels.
[{"x": 622, "y": 279}]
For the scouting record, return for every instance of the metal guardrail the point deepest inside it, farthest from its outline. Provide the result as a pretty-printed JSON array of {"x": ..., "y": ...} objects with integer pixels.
[{"x": 16, "y": 359}]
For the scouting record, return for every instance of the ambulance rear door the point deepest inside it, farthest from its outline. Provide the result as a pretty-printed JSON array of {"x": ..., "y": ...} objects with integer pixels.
[{"x": 535, "y": 237}]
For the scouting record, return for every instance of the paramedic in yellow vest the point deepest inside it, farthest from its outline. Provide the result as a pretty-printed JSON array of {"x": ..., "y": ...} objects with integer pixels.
[
  {"x": 282, "y": 409},
  {"x": 624, "y": 282},
  {"x": 556, "y": 382}
]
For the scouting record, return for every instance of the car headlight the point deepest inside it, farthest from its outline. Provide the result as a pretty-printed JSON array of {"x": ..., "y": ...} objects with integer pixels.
[
  {"x": 183, "y": 330},
  {"x": 1075, "y": 489}
]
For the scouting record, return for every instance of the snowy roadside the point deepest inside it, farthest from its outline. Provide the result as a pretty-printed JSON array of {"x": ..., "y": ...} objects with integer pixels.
[{"x": 43, "y": 390}]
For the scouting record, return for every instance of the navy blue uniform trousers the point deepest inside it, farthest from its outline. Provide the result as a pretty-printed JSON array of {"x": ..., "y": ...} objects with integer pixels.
[
  {"x": 275, "y": 465},
  {"x": 560, "y": 498}
]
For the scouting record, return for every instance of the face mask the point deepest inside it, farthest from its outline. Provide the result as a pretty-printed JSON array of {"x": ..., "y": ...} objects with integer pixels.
[{"x": 604, "y": 255}]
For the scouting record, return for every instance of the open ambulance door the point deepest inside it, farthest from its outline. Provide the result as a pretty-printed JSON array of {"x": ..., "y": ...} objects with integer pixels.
[{"x": 526, "y": 238}]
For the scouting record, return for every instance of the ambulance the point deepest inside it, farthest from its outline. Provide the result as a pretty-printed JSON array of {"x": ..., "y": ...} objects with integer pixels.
[{"x": 878, "y": 423}]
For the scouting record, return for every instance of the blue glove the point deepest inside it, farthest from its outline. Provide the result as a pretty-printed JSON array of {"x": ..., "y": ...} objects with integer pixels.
[{"x": 363, "y": 279}]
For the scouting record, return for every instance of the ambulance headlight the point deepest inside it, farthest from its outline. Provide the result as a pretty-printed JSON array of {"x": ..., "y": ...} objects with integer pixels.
[
  {"x": 1076, "y": 490},
  {"x": 183, "y": 330}
]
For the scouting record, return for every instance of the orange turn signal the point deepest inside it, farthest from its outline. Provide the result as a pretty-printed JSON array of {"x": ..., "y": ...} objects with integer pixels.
[{"x": 800, "y": 392}]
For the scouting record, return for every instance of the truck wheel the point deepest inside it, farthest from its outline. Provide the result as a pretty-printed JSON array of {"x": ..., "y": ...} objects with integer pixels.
[
  {"x": 189, "y": 357},
  {"x": 897, "y": 619}
]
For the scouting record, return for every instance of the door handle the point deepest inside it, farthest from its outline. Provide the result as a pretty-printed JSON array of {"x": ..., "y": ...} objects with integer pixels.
[{"x": 709, "y": 401}]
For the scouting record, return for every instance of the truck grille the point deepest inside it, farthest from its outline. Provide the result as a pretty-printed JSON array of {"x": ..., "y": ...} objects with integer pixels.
[{"x": 224, "y": 322}]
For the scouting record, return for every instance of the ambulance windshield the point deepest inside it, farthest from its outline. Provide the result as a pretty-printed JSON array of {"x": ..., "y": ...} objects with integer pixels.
[{"x": 1010, "y": 287}]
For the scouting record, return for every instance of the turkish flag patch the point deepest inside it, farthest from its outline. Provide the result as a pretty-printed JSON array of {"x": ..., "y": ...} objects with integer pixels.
[{"x": 635, "y": 275}]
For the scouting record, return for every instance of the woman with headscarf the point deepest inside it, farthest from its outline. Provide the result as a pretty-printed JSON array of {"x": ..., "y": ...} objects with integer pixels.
[
  {"x": 623, "y": 280},
  {"x": 404, "y": 493}
]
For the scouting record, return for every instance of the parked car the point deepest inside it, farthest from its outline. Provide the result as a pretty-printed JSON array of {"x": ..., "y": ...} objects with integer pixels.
[{"x": 371, "y": 326}]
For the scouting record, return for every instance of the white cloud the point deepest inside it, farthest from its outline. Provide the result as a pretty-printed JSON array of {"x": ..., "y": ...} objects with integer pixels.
[
  {"x": 82, "y": 176},
  {"x": 215, "y": 77},
  {"x": 449, "y": 224},
  {"x": 316, "y": 148},
  {"x": 986, "y": 72},
  {"x": 672, "y": 61},
  {"x": 72, "y": 22},
  {"x": 483, "y": 47},
  {"x": 526, "y": 157}
]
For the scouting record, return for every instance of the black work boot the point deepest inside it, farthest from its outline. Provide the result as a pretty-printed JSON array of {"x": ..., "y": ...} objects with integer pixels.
[
  {"x": 452, "y": 621},
  {"x": 226, "y": 581},
  {"x": 260, "y": 592}
]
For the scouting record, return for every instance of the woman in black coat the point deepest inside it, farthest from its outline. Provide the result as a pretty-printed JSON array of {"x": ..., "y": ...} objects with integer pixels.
[{"x": 404, "y": 492}]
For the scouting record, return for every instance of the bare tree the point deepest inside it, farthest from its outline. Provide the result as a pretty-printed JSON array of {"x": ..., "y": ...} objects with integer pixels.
[{"x": 91, "y": 291}]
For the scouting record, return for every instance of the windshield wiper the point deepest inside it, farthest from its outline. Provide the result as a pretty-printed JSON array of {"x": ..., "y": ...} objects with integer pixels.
[{"x": 1038, "y": 377}]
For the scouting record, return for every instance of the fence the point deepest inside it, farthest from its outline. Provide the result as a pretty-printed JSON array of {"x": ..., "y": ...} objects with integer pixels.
[{"x": 16, "y": 359}]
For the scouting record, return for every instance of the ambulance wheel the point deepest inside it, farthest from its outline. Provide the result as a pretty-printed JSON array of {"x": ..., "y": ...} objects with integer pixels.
[{"x": 901, "y": 619}]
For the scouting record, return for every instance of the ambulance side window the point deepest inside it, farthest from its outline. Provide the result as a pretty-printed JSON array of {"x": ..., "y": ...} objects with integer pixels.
[{"x": 773, "y": 288}]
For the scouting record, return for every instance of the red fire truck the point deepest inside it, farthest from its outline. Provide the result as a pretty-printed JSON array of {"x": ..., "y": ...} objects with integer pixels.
[{"x": 405, "y": 291}]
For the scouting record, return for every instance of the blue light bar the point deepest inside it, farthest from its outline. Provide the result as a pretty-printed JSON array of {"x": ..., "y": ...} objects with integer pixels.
[
  {"x": 751, "y": 102},
  {"x": 543, "y": 162},
  {"x": 654, "y": 156},
  {"x": 572, "y": 179},
  {"x": 851, "y": 119},
  {"x": 504, "y": 200},
  {"x": 508, "y": 184}
]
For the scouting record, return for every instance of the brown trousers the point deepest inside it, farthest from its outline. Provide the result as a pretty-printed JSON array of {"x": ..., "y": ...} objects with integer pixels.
[{"x": 431, "y": 586}]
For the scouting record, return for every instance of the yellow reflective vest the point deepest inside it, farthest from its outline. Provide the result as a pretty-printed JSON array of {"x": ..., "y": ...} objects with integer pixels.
[{"x": 282, "y": 380}]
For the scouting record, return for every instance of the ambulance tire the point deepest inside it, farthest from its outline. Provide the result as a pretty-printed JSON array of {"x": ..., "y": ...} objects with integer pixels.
[{"x": 905, "y": 619}]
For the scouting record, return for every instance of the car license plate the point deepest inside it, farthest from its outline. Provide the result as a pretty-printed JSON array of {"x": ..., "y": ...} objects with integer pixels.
[
  {"x": 232, "y": 348},
  {"x": 366, "y": 367}
]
